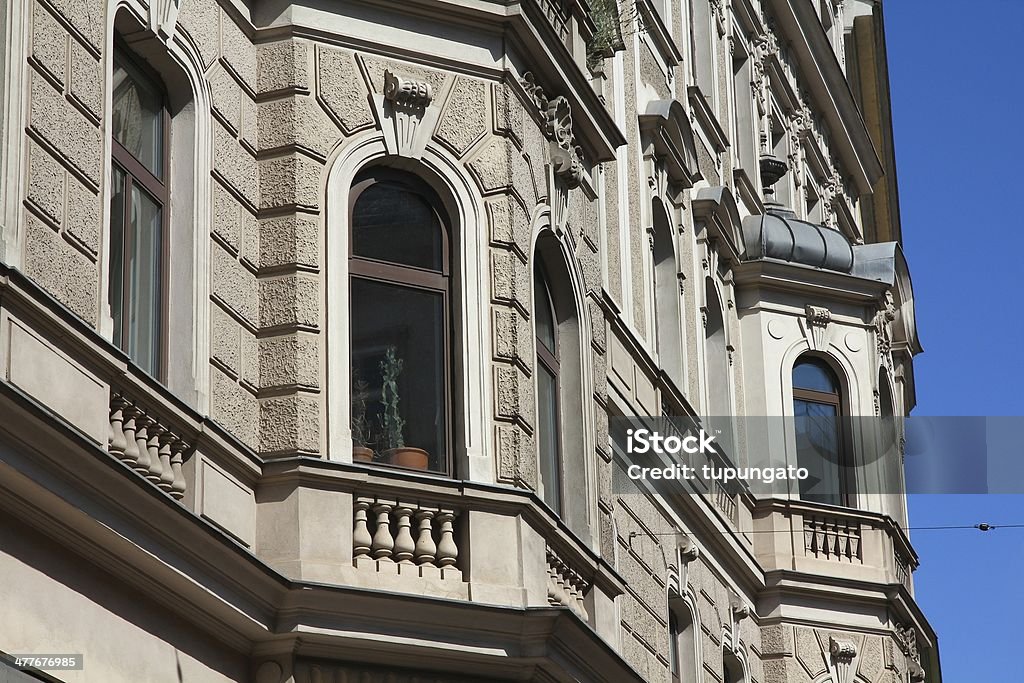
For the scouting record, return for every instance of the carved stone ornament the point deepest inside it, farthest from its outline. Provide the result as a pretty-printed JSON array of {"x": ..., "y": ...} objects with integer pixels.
[
  {"x": 883, "y": 326},
  {"x": 163, "y": 17},
  {"x": 566, "y": 155},
  {"x": 405, "y": 92},
  {"x": 405, "y": 115},
  {"x": 818, "y": 318},
  {"x": 842, "y": 655}
]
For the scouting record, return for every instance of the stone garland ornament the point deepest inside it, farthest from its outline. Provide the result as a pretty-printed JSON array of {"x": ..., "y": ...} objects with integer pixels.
[
  {"x": 818, "y": 319},
  {"x": 404, "y": 92}
]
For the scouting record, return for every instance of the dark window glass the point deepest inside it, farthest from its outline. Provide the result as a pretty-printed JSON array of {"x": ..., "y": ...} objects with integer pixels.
[
  {"x": 400, "y": 328},
  {"x": 817, "y": 411},
  {"x": 395, "y": 223},
  {"x": 138, "y": 215},
  {"x": 673, "y": 645},
  {"x": 549, "y": 428}
]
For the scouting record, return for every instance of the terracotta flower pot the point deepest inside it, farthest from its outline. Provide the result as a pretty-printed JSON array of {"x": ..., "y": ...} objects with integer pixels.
[
  {"x": 362, "y": 454},
  {"x": 413, "y": 458}
]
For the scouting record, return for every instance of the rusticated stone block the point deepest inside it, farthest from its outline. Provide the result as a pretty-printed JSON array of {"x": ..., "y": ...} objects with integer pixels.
[
  {"x": 509, "y": 223},
  {"x": 86, "y": 17},
  {"x": 290, "y": 300},
  {"x": 235, "y": 408},
  {"x": 235, "y": 165},
  {"x": 296, "y": 121},
  {"x": 282, "y": 66},
  {"x": 61, "y": 269},
  {"x": 227, "y": 96},
  {"x": 225, "y": 341},
  {"x": 248, "y": 131},
  {"x": 290, "y": 424},
  {"x": 513, "y": 394},
  {"x": 510, "y": 281},
  {"x": 871, "y": 664},
  {"x": 250, "y": 252},
  {"x": 83, "y": 215},
  {"x": 234, "y": 285},
  {"x": 513, "y": 337},
  {"x": 227, "y": 214},
  {"x": 201, "y": 20},
  {"x": 492, "y": 165},
  {"x": 54, "y": 119},
  {"x": 509, "y": 114},
  {"x": 590, "y": 267},
  {"x": 238, "y": 51},
  {"x": 808, "y": 651},
  {"x": 289, "y": 240},
  {"x": 250, "y": 359},
  {"x": 517, "y": 459},
  {"x": 49, "y": 43},
  {"x": 86, "y": 79},
  {"x": 340, "y": 87},
  {"x": 464, "y": 120},
  {"x": 601, "y": 431},
  {"x": 777, "y": 639},
  {"x": 293, "y": 180},
  {"x": 598, "y": 326},
  {"x": 289, "y": 360},
  {"x": 46, "y": 183},
  {"x": 376, "y": 66}
]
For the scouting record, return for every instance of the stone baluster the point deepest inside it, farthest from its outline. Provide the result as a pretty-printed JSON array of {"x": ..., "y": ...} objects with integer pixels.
[
  {"x": 156, "y": 430},
  {"x": 426, "y": 550},
  {"x": 404, "y": 545},
  {"x": 447, "y": 551},
  {"x": 142, "y": 424},
  {"x": 117, "y": 443},
  {"x": 383, "y": 543},
  {"x": 178, "y": 449},
  {"x": 131, "y": 448},
  {"x": 361, "y": 539},
  {"x": 166, "y": 471}
]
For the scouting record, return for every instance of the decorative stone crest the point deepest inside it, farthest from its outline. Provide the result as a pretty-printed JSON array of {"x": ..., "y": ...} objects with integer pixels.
[
  {"x": 405, "y": 114},
  {"x": 906, "y": 638},
  {"x": 883, "y": 326},
  {"x": 405, "y": 92},
  {"x": 818, "y": 318},
  {"x": 566, "y": 155},
  {"x": 842, "y": 654}
]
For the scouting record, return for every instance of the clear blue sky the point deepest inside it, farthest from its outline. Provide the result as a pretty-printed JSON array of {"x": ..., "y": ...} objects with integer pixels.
[{"x": 958, "y": 110}]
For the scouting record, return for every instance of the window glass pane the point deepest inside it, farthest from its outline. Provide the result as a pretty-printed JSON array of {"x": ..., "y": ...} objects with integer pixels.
[
  {"x": 399, "y": 332},
  {"x": 545, "y": 317},
  {"x": 144, "y": 281},
  {"x": 815, "y": 375},
  {"x": 818, "y": 449},
  {"x": 391, "y": 222},
  {"x": 117, "y": 236},
  {"x": 673, "y": 645},
  {"x": 547, "y": 413},
  {"x": 138, "y": 116}
]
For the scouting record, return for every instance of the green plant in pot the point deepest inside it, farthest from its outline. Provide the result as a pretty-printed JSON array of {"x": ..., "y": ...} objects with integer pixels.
[
  {"x": 361, "y": 450},
  {"x": 392, "y": 423}
]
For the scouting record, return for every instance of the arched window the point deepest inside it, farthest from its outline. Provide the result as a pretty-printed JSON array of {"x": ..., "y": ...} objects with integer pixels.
[
  {"x": 549, "y": 427},
  {"x": 682, "y": 643},
  {"x": 560, "y": 432},
  {"x": 140, "y": 128},
  {"x": 732, "y": 668},
  {"x": 666, "y": 298},
  {"x": 817, "y": 411},
  {"x": 716, "y": 356},
  {"x": 400, "y": 288}
]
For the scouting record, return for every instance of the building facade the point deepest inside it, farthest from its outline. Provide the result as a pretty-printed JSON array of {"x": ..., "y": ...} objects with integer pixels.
[{"x": 319, "y": 321}]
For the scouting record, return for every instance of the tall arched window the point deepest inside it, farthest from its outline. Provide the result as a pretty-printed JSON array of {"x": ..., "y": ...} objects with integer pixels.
[
  {"x": 400, "y": 288},
  {"x": 140, "y": 128},
  {"x": 666, "y": 298},
  {"x": 682, "y": 643},
  {"x": 817, "y": 411},
  {"x": 549, "y": 427},
  {"x": 716, "y": 355}
]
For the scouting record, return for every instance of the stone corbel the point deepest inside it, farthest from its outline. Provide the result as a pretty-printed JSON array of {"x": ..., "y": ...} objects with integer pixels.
[
  {"x": 566, "y": 156},
  {"x": 738, "y": 611},
  {"x": 818, "y": 318},
  {"x": 405, "y": 115},
  {"x": 842, "y": 654}
]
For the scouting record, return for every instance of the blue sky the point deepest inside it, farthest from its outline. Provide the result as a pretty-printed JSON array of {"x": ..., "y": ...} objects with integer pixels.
[{"x": 958, "y": 110}]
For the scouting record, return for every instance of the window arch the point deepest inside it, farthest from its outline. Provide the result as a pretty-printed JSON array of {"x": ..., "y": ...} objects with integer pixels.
[
  {"x": 139, "y": 212},
  {"x": 716, "y": 355},
  {"x": 667, "y": 324},
  {"x": 400, "y": 325},
  {"x": 559, "y": 385},
  {"x": 682, "y": 641},
  {"x": 818, "y": 408}
]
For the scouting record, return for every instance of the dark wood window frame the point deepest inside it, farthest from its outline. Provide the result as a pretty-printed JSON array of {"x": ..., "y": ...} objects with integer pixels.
[
  {"x": 549, "y": 361},
  {"x": 401, "y": 275},
  {"x": 835, "y": 400},
  {"x": 135, "y": 173}
]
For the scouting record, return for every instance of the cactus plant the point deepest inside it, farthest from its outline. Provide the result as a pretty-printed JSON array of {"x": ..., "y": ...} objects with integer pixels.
[{"x": 392, "y": 424}]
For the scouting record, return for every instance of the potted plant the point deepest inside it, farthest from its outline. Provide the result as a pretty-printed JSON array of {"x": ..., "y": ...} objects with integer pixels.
[
  {"x": 361, "y": 452},
  {"x": 392, "y": 423}
]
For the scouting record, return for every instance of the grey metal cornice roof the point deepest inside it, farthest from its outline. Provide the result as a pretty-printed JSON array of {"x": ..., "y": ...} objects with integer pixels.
[{"x": 779, "y": 234}]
